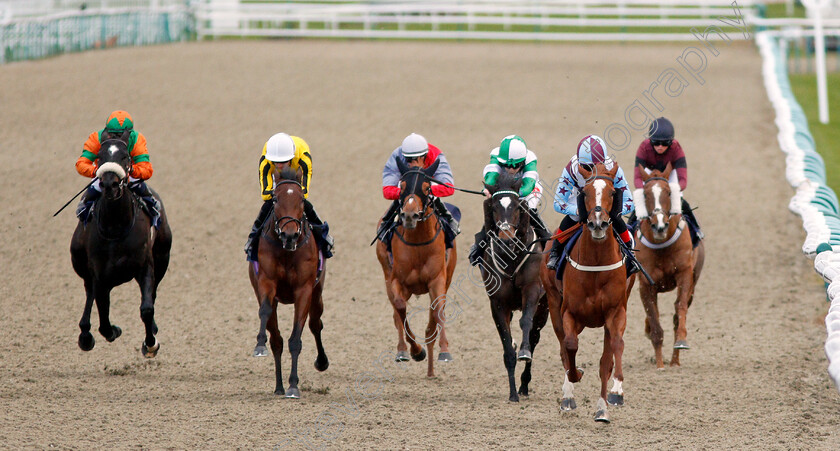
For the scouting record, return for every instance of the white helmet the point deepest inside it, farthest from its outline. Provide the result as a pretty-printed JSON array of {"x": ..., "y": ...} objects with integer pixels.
[
  {"x": 414, "y": 146},
  {"x": 280, "y": 148}
]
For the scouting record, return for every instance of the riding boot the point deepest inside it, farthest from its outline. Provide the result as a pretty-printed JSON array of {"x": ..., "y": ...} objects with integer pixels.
[
  {"x": 477, "y": 249},
  {"x": 319, "y": 227},
  {"x": 554, "y": 255},
  {"x": 688, "y": 214},
  {"x": 152, "y": 204},
  {"x": 444, "y": 214},
  {"x": 539, "y": 225},
  {"x": 633, "y": 222},
  {"x": 251, "y": 246},
  {"x": 85, "y": 207},
  {"x": 387, "y": 220}
]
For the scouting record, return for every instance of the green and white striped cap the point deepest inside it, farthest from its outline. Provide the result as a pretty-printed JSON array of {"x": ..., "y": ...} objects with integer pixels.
[{"x": 512, "y": 151}]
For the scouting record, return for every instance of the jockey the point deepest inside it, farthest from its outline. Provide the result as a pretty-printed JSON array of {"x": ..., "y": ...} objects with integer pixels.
[
  {"x": 118, "y": 124},
  {"x": 514, "y": 157},
  {"x": 416, "y": 152},
  {"x": 569, "y": 197},
  {"x": 282, "y": 151},
  {"x": 655, "y": 153}
]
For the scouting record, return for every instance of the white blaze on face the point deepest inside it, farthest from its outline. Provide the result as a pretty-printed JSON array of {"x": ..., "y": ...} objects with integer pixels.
[
  {"x": 656, "y": 190},
  {"x": 410, "y": 200},
  {"x": 290, "y": 191},
  {"x": 505, "y": 202},
  {"x": 113, "y": 149},
  {"x": 599, "y": 192}
]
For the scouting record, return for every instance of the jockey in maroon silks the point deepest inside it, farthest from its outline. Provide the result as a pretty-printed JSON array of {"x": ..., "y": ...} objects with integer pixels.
[{"x": 655, "y": 153}]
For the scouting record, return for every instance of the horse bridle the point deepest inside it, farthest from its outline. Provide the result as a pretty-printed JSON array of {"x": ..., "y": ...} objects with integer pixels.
[
  {"x": 599, "y": 208},
  {"x": 505, "y": 226},
  {"x": 425, "y": 199},
  {"x": 280, "y": 222},
  {"x": 657, "y": 210}
]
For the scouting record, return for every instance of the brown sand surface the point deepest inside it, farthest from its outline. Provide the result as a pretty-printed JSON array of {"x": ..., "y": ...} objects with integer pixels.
[{"x": 755, "y": 376}]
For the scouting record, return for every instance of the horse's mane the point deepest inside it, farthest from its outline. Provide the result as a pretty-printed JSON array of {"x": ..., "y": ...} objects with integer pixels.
[
  {"x": 507, "y": 181},
  {"x": 288, "y": 174}
]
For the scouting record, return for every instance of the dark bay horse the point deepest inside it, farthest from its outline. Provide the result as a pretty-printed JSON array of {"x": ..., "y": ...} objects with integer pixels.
[
  {"x": 666, "y": 251},
  {"x": 119, "y": 244},
  {"x": 289, "y": 271},
  {"x": 513, "y": 257},
  {"x": 593, "y": 293},
  {"x": 421, "y": 264}
]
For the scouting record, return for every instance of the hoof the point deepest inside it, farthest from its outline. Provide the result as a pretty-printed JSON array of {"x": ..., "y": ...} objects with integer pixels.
[
  {"x": 293, "y": 393},
  {"x": 568, "y": 404},
  {"x": 523, "y": 392},
  {"x": 260, "y": 351},
  {"x": 514, "y": 398},
  {"x": 614, "y": 399},
  {"x": 444, "y": 357},
  {"x": 524, "y": 355},
  {"x": 86, "y": 341},
  {"x": 602, "y": 416},
  {"x": 151, "y": 352},
  {"x": 280, "y": 391},
  {"x": 681, "y": 344},
  {"x": 322, "y": 364},
  {"x": 402, "y": 356},
  {"x": 420, "y": 356},
  {"x": 115, "y": 333}
]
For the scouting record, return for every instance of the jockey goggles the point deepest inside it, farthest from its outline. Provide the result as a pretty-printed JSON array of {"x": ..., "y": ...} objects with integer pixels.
[
  {"x": 518, "y": 165},
  {"x": 661, "y": 142}
]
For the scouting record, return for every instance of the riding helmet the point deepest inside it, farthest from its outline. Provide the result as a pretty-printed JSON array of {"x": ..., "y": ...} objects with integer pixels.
[
  {"x": 661, "y": 129},
  {"x": 118, "y": 122},
  {"x": 414, "y": 146},
  {"x": 512, "y": 151},
  {"x": 280, "y": 148},
  {"x": 592, "y": 150}
]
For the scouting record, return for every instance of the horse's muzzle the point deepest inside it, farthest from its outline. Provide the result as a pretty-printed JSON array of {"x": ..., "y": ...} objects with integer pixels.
[
  {"x": 410, "y": 220},
  {"x": 289, "y": 242}
]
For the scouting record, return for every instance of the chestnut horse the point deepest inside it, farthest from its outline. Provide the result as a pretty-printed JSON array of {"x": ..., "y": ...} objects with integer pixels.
[
  {"x": 118, "y": 244},
  {"x": 421, "y": 264},
  {"x": 665, "y": 249},
  {"x": 593, "y": 293},
  {"x": 289, "y": 271},
  {"x": 513, "y": 258}
]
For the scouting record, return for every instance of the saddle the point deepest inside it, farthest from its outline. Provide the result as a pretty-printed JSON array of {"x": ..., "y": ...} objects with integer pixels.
[
  {"x": 148, "y": 204},
  {"x": 627, "y": 254}
]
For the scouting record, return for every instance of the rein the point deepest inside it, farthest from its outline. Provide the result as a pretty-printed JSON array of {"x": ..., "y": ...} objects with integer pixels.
[
  {"x": 527, "y": 253},
  {"x": 437, "y": 232},
  {"x": 123, "y": 185},
  {"x": 302, "y": 224},
  {"x": 672, "y": 240}
]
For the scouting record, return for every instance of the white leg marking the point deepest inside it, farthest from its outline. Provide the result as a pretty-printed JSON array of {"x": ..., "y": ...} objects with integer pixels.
[
  {"x": 568, "y": 388},
  {"x": 616, "y": 388},
  {"x": 601, "y": 404}
]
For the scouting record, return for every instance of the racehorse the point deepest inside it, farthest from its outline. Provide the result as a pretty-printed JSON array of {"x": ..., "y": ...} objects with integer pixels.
[
  {"x": 593, "y": 292},
  {"x": 289, "y": 271},
  {"x": 671, "y": 259},
  {"x": 117, "y": 244},
  {"x": 421, "y": 264},
  {"x": 513, "y": 258}
]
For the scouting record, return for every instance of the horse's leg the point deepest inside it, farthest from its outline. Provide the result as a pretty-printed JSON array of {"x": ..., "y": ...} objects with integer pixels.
[
  {"x": 147, "y": 311},
  {"x": 615, "y": 327},
  {"x": 571, "y": 329},
  {"x": 86, "y": 340},
  {"x": 540, "y": 318},
  {"x": 531, "y": 295},
  {"x": 400, "y": 303},
  {"x": 303, "y": 301},
  {"x": 266, "y": 291},
  {"x": 605, "y": 370},
  {"x": 436, "y": 325},
  {"x": 276, "y": 342},
  {"x": 102, "y": 295},
  {"x": 501, "y": 317},
  {"x": 315, "y": 326},
  {"x": 684, "y": 294},
  {"x": 653, "y": 329},
  {"x": 554, "y": 303}
]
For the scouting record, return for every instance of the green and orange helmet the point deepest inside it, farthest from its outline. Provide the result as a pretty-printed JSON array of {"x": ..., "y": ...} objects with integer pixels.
[{"x": 118, "y": 122}]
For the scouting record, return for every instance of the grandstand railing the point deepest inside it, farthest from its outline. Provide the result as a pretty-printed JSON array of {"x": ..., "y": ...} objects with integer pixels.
[{"x": 595, "y": 20}]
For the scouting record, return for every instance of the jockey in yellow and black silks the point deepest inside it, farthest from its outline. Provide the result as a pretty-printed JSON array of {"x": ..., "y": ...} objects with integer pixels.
[
  {"x": 282, "y": 150},
  {"x": 119, "y": 125}
]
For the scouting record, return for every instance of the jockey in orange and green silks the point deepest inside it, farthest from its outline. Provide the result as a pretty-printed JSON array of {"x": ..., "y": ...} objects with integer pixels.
[{"x": 117, "y": 124}]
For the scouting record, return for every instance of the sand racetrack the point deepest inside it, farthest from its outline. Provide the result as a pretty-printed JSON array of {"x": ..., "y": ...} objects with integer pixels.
[{"x": 754, "y": 378}]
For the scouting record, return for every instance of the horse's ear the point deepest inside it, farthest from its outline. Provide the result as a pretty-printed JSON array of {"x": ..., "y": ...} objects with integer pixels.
[
  {"x": 668, "y": 169},
  {"x": 517, "y": 182},
  {"x": 643, "y": 173},
  {"x": 611, "y": 173},
  {"x": 401, "y": 165},
  {"x": 275, "y": 175},
  {"x": 125, "y": 135},
  {"x": 586, "y": 173},
  {"x": 299, "y": 174},
  {"x": 430, "y": 171},
  {"x": 490, "y": 188}
]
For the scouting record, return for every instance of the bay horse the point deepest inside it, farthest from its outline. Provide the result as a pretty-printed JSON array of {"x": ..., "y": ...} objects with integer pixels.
[
  {"x": 117, "y": 244},
  {"x": 289, "y": 270},
  {"x": 421, "y": 264},
  {"x": 513, "y": 256},
  {"x": 593, "y": 293},
  {"x": 670, "y": 258}
]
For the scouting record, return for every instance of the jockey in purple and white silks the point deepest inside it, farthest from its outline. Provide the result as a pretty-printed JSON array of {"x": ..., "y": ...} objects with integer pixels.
[{"x": 568, "y": 199}]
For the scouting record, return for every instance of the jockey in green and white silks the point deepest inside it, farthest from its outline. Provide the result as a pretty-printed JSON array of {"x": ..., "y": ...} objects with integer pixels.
[{"x": 513, "y": 156}]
